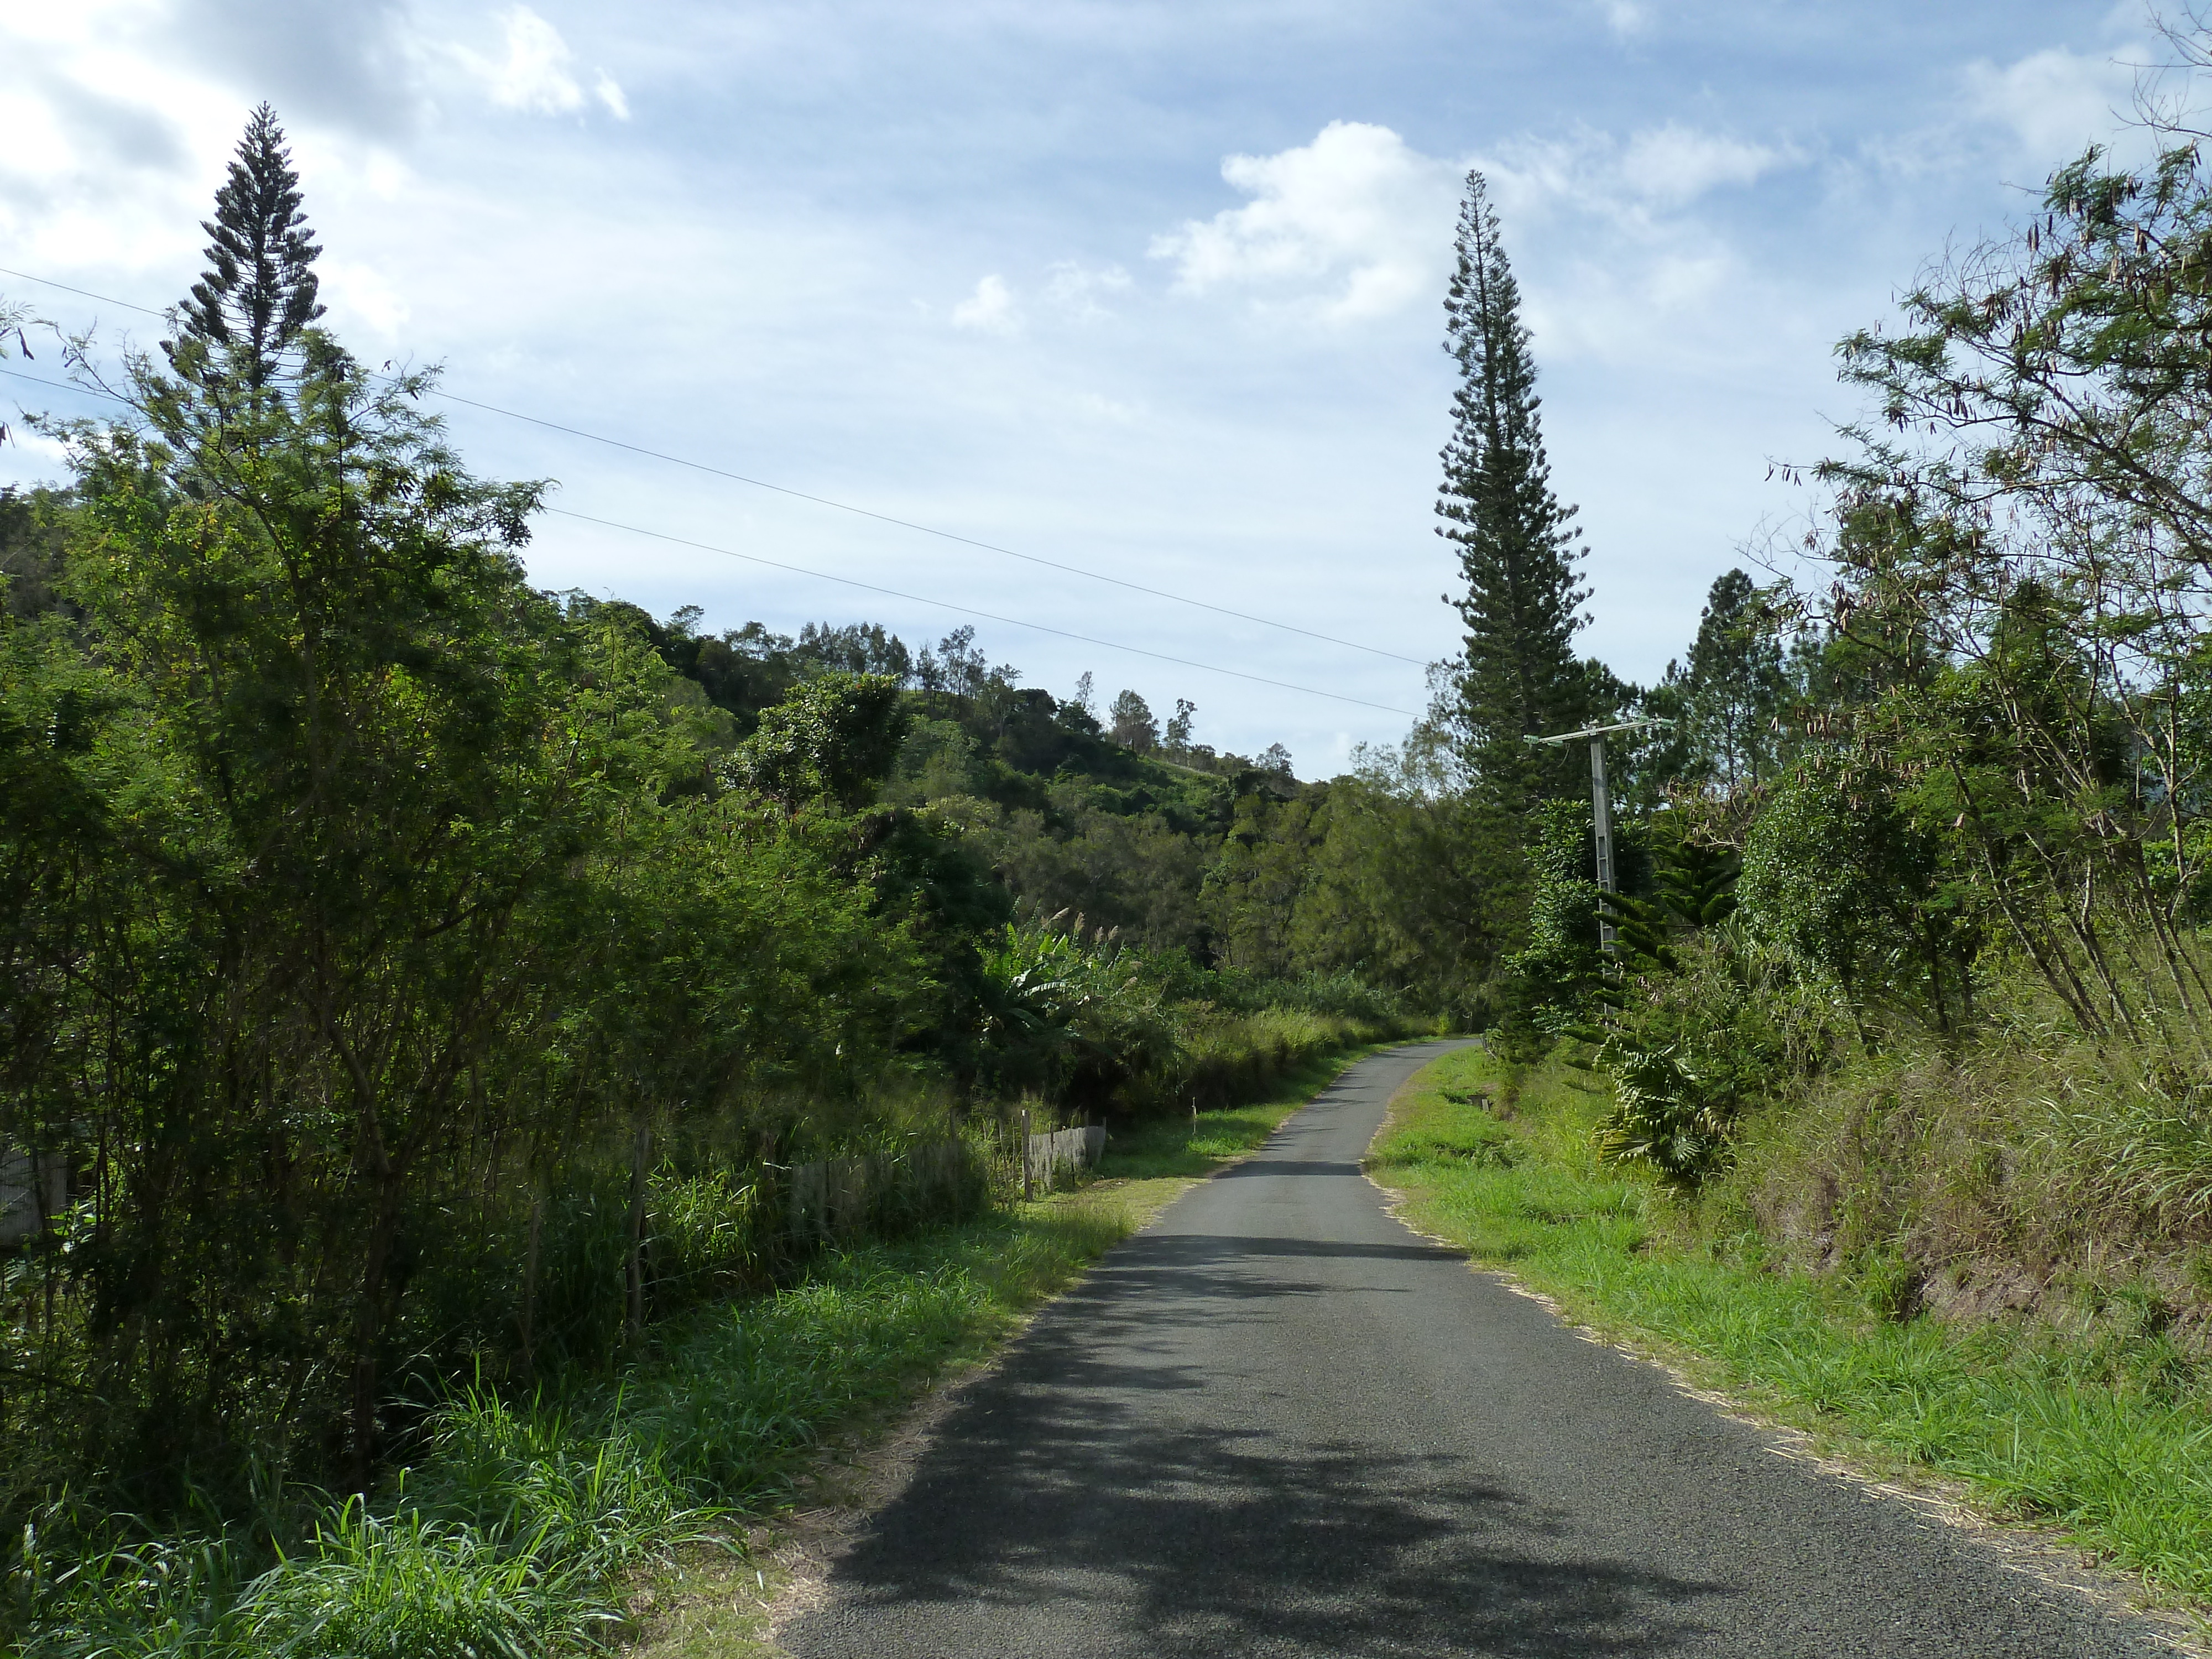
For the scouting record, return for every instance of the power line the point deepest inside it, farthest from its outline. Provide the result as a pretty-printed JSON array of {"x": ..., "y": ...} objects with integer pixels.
[
  {"x": 926, "y": 530},
  {"x": 988, "y": 616},
  {"x": 842, "y": 507},
  {"x": 104, "y": 299},
  {"x": 872, "y": 587}
]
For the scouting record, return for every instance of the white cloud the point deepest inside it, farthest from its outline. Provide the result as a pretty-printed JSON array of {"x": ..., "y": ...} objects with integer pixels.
[
  {"x": 1674, "y": 164},
  {"x": 51, "y": 454},
  {"x": 2054, "y": 102},
  {"x": 1357, "y": 214},
  {"x": 1076, "y": 289},
  {"x": 535, "y": 76},
  {"x": 361, "y": 294},
  {"x": 385, "y": 175},
  {"x": 1625, "y": 17},
  {"x": 1358, "y": 224},
  {"x": 989, "y": 310},
  {"x": 1651, "y": 176}
]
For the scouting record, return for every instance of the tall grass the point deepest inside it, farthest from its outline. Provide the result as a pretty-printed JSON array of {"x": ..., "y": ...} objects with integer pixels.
[
  {"x": 1232, "y": 1057},
  {"x": 518, "y": 1522},
  {"x": 1197, "y": 1143},
  {"x": 2099, "y": 1426}
]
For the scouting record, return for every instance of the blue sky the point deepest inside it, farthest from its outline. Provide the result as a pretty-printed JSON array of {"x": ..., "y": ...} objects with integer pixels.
[{"x": 1152, "y": 289}]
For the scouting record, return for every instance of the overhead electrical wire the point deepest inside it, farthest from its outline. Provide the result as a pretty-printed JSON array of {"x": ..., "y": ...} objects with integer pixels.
[
  {"x": 86, "y": 293},
  {"x": 872, "y": 587},
  {"x": 970, "y": 610},
  {"x": 928, "y": 530},
  {"x": 825, "y": 501}
]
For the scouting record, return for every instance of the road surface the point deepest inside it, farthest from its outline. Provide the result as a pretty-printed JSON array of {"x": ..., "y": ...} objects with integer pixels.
[{"x": 1280, "y": 1422}]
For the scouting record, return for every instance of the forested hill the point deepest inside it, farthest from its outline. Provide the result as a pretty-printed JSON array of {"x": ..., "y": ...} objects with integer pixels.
[{"x": 1125, "y": 822}]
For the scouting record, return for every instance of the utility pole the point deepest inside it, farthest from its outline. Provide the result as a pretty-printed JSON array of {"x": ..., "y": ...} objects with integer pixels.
[{"x": 1601, "y": 808}]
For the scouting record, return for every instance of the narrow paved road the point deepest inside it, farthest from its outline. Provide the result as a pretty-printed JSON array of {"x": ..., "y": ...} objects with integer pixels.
[{"x": 1280, "y": 1422}]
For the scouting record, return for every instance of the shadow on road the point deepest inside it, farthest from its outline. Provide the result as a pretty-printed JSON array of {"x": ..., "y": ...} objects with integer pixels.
[
  {"x": 1075, "y": 1484},
  {"x": 1281, "y": 1171},
  {"x": 1202, "y": 1542},
  {"x": 1279, "y": 1424}
]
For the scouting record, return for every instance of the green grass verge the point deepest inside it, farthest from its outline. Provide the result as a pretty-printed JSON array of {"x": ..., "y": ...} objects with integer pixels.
[
  {"x": 1190, "y": 1146},
  {"x": 715, "y": 1609},
  {"x": 519, "y": 1527},
  {"x": 2104, "y": 1431}
]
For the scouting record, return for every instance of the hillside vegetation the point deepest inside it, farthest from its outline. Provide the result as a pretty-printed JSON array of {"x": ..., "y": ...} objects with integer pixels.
[
  {"x": 1914, "y": 982},
  {"x": 417, "y": 991}
]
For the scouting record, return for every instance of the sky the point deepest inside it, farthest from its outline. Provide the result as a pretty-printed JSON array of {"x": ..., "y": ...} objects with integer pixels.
[{"x": 1153, "y": 290}]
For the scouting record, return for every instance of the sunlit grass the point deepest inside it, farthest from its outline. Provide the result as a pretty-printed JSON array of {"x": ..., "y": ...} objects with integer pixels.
[
  {"x": 2106, "y": 1435},
  {"x": 519, "y": 1523},
  {"x": 1189, "y": 1145}
]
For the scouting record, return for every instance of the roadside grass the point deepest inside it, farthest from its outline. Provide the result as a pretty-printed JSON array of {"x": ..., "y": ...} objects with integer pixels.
[
  {"x": 2102, "y": 1431},
  {"x": 615, "y": 1513},
  {"x": 716, "y": 1604},
  {"x": 1191, "y": 1145},
  {"x": 528, "y": 1529}
]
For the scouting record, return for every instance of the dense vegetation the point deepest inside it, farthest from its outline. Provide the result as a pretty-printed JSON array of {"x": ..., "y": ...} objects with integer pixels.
[
  {"x": 1891, "y": 1097},
  {"x": 410, "y": 980},
  {"x": 1931, "y": 874},
  {"x": 415, "y": 988}
]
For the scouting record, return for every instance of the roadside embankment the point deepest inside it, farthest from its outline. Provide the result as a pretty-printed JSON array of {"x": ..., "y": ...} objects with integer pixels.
[{"x": 2100, "y": 1428}]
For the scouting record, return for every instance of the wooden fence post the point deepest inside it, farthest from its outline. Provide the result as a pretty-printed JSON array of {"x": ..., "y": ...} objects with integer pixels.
[
  {"x": 530, "y": 1289},
  {"x": 641, "y": 1149},
  {"x": 1025, "y": 1155}
]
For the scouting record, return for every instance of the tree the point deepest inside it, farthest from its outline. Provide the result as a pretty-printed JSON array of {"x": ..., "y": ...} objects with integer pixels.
[
  {"x": 2022, "y": 576},
  {"x": 258, "y": 297},
  {"x": 1178, "y": 737},
  {"x": 1132, "y": 724},
  {"x": 835, "y": 737},
  {"x": 1516, "y": 675},
  {"x": 1732, "y": 689},
  {"x": 1836, "y": 874},
  {"x": 956, "y": 666}
]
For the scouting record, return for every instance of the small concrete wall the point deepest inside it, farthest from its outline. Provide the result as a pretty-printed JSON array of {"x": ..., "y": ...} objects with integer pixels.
[
  {"x": 1064, "y": 1149},
  {"x": 33, "y": 1191}
]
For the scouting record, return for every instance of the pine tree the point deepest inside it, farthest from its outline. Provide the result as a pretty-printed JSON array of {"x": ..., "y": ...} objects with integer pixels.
[
  {"x": 1735, "y": 685},
  {"x": 1517, "y": 675},
  {"x": 259, "y": 295}
]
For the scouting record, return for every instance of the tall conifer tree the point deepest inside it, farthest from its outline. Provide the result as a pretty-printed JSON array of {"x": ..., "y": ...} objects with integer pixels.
[
  {"x": 1734, "y": 687},
  {"x": 1517, "y": 675},
  {"x": 259, "y": 295}
]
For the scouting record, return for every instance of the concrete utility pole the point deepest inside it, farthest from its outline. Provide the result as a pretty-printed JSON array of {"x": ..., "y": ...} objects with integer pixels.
[{"x": 1601, "y": 807}]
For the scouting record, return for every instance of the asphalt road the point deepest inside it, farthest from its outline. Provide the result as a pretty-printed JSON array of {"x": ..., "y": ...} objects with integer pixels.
[{"x": 1280, "y": 1422}]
